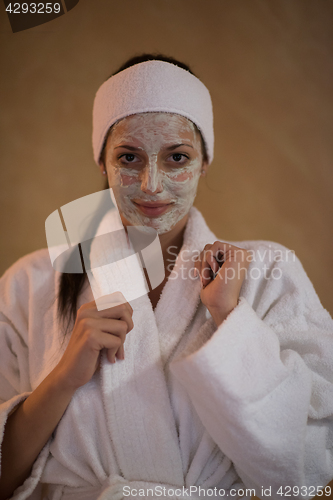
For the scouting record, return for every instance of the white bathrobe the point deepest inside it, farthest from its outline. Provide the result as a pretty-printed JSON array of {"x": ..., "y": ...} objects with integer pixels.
[{"x": 248, "y": 404}]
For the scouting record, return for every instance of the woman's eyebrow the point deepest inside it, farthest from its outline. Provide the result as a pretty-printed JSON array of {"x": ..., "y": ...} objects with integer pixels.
[
  {"x": 177, "y": 146},
  {"x": 169, "y": 148},
  {"x": 132, "y": 148}
]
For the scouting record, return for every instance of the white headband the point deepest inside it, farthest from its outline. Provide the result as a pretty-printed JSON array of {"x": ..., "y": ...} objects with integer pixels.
[{"x": 152, "y": 86}]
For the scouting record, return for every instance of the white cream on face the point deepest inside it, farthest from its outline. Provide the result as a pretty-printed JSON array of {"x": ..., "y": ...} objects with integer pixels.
[{"x": 150, "y": 173}]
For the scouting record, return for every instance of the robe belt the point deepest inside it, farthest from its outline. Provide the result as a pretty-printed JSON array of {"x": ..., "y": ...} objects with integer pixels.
[{"x": 118, "y": 488}]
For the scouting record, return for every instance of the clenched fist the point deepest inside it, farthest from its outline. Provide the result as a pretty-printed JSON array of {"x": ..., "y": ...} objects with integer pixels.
[
  {"x": 93, "y": 331},
  {"x": 222, "y": 268}
]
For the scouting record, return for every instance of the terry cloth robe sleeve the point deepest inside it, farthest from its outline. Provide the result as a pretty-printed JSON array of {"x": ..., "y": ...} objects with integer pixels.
[
  {"x": 15, "y": 384},
  {"x": 262, "y": 384}
]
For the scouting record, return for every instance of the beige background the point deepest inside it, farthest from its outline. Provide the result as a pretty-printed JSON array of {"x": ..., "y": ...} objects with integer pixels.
[{"x": 269, "y": 67}]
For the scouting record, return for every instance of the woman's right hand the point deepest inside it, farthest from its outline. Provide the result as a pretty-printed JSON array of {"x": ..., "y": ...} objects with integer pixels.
[
  {"x": 34, "y": 420},
  {"x": 94, "y": 330}
]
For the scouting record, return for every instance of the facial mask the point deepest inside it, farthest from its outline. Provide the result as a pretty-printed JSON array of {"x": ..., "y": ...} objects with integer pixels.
[{"x": 153, "y": 179}]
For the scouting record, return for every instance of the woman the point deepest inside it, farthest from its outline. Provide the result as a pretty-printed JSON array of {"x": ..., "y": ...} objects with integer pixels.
[{"x": 221, "y": 384}]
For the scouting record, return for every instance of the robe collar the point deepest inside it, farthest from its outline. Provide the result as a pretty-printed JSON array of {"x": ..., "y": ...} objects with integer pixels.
[{"x": 137, "y": 405}]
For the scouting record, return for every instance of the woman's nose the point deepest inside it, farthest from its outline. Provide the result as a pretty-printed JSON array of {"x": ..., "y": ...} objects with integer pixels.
[{"x": 151, "y": 179}]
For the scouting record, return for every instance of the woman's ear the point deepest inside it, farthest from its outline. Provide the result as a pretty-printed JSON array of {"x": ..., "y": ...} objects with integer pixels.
[
  {"x": 204, "y": 168},
  {"x": 102, "y": 167}
]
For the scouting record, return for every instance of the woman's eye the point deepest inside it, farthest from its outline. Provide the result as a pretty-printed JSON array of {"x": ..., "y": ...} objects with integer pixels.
[
  {"x": 179, "y": 157},
  {"x": 127, "y": 158}
]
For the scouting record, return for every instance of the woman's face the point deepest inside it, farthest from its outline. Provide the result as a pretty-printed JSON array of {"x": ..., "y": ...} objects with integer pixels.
[{"x": 154, "y": 162}]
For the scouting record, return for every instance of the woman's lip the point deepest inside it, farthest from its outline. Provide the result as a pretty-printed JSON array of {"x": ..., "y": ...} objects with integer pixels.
[{"x": 153, "y": 209}]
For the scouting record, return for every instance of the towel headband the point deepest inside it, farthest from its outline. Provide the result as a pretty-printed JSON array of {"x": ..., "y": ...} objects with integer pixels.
[{"x": 152, "y": 86}]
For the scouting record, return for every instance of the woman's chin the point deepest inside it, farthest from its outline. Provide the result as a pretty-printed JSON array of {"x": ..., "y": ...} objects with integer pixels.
[{"x": 162, "y": 224}]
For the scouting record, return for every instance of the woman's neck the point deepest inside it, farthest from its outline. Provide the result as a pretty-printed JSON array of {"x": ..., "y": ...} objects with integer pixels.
[{"x": 172, "y": 241}]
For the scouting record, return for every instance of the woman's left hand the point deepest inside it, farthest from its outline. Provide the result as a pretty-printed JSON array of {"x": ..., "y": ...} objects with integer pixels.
[{"x": 229, "y": 264}]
